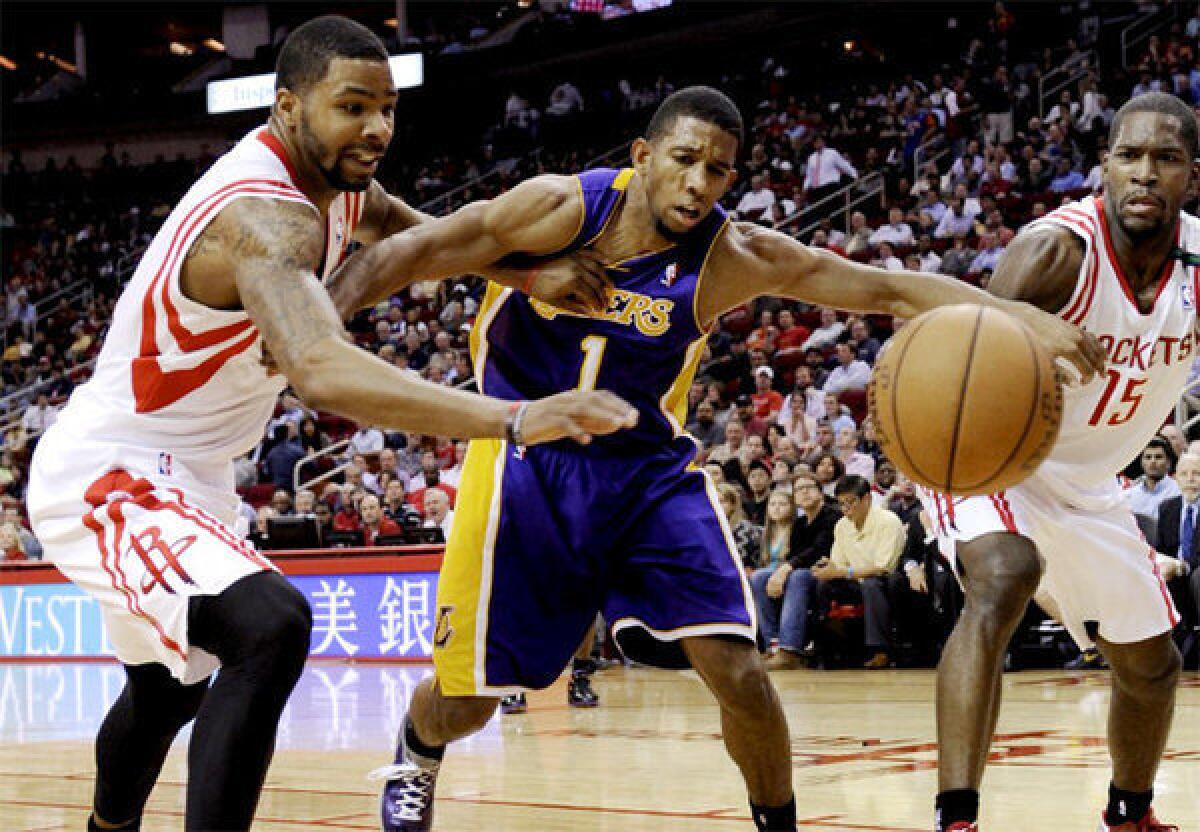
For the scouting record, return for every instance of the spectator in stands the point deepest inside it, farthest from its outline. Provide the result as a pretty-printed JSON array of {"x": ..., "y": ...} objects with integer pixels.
[
  {"x": 746, "y": 535},
  {"x": 825, "y": 170},
  {"x": 744, "y": 410},
  {"x": 704, "y": 426},
  {"x": 39, "y": 416},
  {"x": 282, "y": 459},
  {"x": 757, "y": 200},
  {"x": 988, "y": 256},
  {"x": 851, "y": 373},
  {"x": 837, "y": 414},
  {"x": 805, "y": 396},
  {"x": 828, "y": 470},
  {"x": 305, "y": 501},
  {"x": 957, "y": 259},
  {"x": 281, "y": 502},
  {"x": 261, "y": 535},
  {"x": 451, "y": 475},
  {"x": 867, "y": 543},
  {"x": 1156, "y": 484},
  {"x": 758, "y": 480},
  {"x": 896, "y": 231},
  {"x": 930, "y": 260},
  {"x": 10, "y": 544},
  {"x": 374, "y": 522},
  {"x": 785, "y": 596},
  {"x": 735, "y": 437},
  {"x": 437, "y": 511},
  {"x": 767, "y": 402},
  {"x": 791, "y": 334},
  {"x": 324, "y": 515},
  {"x": 430, "y": 477},
  {"x": 366, "y": 440},
  {"x": 854, "y": 461},
  {"x": 28, "y": 542},
  {"x": 1066, "y": 177},
  {"x": 1179, "y": 544},
  {"x": 349, "y": 517},
  {"x": 827, "y": 333},
  {"x": 887, "y": 259},
  {"x": 955, "y": 221},
  {"x": 858, "y": 239}
]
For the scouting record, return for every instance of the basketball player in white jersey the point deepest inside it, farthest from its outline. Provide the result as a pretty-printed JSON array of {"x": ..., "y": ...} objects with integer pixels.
[
  {"x": 131, "y": 492},
  {"x": 1116, "y": 266}
]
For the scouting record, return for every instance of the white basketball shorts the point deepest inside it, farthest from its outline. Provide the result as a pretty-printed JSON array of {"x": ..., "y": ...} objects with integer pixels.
[
  {"x": 1099, "y": 567},
  {"x": 141, "y": 531}
]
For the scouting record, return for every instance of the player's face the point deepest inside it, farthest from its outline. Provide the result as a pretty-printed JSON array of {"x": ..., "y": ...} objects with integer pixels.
[
  {"x": 345, "y": 122},
  {"x": 1147, "y": 174},
  {"x": 686, "y": 171}
]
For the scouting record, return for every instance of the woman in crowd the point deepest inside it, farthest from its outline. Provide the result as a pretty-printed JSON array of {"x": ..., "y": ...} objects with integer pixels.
[{"x": 746, "y": 535}]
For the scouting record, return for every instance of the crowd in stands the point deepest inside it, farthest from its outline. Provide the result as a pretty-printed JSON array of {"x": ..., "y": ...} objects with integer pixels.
[{"x": 838, "y": 553}]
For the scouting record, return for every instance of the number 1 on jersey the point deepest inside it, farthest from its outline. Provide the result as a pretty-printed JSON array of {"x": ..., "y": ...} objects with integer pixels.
[{"x": 593, "y": 353}]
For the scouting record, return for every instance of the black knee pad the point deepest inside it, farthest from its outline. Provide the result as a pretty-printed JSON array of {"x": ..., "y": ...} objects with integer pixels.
[{"x": 262, "y": 615}]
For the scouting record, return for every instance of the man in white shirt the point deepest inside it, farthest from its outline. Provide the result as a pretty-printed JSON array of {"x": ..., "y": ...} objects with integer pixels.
[
  {"x": 849, "y": 374},
  {"x": 825, "y": 170},
  {"x": 970, "y": 160},
  {"x": 437, "y": 511},
  {"x": 887, "y": 259},
  {"x": 955, "y": 221},
  {"x": 827, "y": 332},
  {"x": 755, "y": 202},
  {"x": 989, "y": 255},
  {"x": 1156, "y": 484},
  {"x": 39, "y": 416},
  {"x": 366, "y": 440},
  {"x": 897, "y": 231},
  {"x": 804, "y": 394},
  {"x": 929, "y": 259}
]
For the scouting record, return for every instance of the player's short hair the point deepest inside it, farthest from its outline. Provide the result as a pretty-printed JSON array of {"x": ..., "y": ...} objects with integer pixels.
[
  {"x": 852, "y": 484},
  {"x": 704, "y": 103},
  {"x": 1168, "y": 105},
  {"x": 308, "y": 51}
]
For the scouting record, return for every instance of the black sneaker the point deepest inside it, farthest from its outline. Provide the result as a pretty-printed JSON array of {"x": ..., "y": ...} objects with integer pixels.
[
  {"x": 580, "y": 693},
  {"x": 514, "y": 704}
]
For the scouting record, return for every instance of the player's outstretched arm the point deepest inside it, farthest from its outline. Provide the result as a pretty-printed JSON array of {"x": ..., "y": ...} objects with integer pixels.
[
  {"x": 764, "y": 262},
  {"x": 539, "y": 216},
  {"x": 273, "y": 248}
]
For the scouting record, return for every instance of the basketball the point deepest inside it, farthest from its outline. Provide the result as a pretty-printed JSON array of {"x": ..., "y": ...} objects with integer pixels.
[{"x": 965, "y": 401}]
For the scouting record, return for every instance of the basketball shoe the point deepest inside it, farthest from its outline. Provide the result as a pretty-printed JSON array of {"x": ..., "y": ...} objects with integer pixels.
[
  {"x": 579, "y": 691},
  {"x": 407, "y": 801},
  {"x": 1147, "y": 824},
  {"x": 514, "y": 704}
]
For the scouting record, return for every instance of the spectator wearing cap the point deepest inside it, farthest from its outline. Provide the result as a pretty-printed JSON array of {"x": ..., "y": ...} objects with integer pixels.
[
  {"x": 744, "y": 412},
  {"x": 896, "y": 232},
  {"x": 758, "y": 482},
  {"x": 827, "y": 333},
  {"x": 851, "y": 373},
  {"x": 867, "y": 543},
  {"x": 767, "y": 402},
  {"x": 1156, "y": 484}
]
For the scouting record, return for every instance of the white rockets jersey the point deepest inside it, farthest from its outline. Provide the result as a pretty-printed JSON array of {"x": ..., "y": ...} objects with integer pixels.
[
  {"x": 1108, "y": 422},
  {"x": 175, "y": 375}
]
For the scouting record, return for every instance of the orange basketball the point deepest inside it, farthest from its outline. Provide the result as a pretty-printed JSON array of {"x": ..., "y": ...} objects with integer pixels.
[{"x": 965, "y": 401}]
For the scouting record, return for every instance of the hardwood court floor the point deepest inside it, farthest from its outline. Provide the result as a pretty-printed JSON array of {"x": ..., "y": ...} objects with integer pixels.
[{"x": 650, "y": 758}]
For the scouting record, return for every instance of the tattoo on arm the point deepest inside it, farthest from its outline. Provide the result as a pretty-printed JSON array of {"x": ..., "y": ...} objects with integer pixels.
[{"x": 274, "y": 248}]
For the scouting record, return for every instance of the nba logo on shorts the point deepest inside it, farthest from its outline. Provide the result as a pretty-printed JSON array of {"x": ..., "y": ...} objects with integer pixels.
[
  {"x": 164, "y": 464},
  {"x": 669, "y": 275},
  {"x": 1186, "y": 296}
]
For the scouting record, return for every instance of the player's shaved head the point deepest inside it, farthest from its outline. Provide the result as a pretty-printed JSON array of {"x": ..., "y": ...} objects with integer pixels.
[
  {"x": 306, "y": 54},
  {"x": 704, "y": 103},
  {"x": 1167, "y": 105}
]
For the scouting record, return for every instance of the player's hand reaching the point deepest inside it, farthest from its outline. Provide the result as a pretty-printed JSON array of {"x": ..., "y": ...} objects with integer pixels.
[
  {"x": 578, "y": 416},
  {"x": 1079, "y": 347},
  {"x": 575, "y": 283}
]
